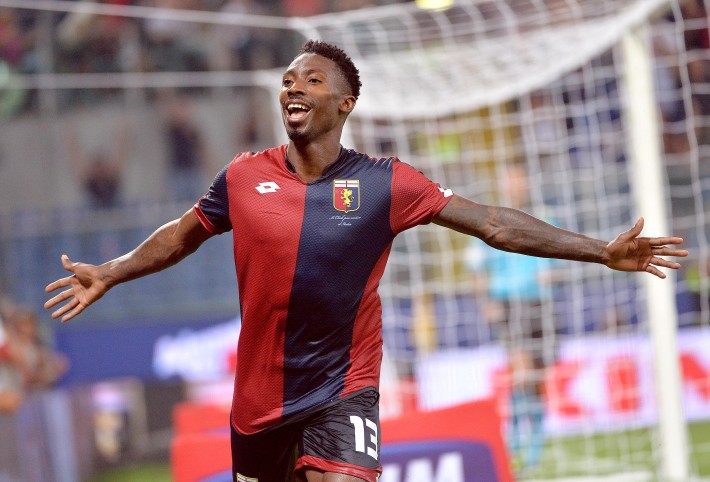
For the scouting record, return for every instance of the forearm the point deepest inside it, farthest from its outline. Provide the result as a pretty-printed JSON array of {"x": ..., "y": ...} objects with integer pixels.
[
  {"x": 515, "y": 231},
  {"x": 164, "y": 248}
]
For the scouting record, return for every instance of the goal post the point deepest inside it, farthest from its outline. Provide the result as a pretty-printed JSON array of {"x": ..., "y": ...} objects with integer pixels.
[{"x": 650, "y": 197}]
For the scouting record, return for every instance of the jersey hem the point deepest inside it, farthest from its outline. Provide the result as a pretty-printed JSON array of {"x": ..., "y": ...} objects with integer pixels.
[
  {"x": 205, "y": 222},
  {"x": 297, "y": 417},
  {"x": 440, "y": 208}
]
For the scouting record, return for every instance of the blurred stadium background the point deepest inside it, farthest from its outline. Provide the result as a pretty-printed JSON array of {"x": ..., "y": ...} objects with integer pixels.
[{"x": 116, "y": 114}]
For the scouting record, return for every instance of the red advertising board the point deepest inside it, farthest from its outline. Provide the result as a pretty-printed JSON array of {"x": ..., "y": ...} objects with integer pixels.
[{"x": 461, "y": 443}]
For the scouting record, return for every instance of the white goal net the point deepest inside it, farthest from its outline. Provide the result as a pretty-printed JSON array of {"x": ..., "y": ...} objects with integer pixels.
[{"x": 524, "y": 103}]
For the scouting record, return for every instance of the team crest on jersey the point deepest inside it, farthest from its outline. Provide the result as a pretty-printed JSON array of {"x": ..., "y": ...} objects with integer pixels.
[{"x": 346, "y": 195}]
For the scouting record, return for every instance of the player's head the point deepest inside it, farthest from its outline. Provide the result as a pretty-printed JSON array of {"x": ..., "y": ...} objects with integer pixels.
[
  {"x": 318, "y": 91},
  {"x": 350, "y": 73}
]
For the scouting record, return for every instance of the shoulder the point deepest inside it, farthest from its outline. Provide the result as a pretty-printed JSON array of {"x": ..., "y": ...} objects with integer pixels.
[
  {"x": 393, "y": 167},
  {"x": 277, "y": 153},
  {"x": 382, "y": 163},
  {"x": 246, "y": 165}
]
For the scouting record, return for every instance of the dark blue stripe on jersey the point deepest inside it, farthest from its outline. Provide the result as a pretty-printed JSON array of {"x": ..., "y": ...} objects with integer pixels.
[
  {"x": 212, "y": 207},
  {"x": 333, "y": 265}
]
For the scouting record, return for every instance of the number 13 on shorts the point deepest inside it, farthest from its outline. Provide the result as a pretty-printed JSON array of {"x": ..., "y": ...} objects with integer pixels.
[{"x": 363, "y": 427}]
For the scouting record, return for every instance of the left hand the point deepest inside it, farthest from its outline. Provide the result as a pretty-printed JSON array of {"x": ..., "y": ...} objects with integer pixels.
[{"x": 628, "y": 252}]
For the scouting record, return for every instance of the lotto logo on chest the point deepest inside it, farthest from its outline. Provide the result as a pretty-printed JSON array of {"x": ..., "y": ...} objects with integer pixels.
[{"x": 346, "y": 195}]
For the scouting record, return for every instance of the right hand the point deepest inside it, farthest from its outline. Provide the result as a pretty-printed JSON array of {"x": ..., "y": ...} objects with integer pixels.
[{"x": 84, "y": 287}]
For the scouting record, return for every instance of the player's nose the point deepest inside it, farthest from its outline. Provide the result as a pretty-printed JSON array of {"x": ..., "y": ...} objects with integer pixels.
[{"x": 297, "y": 87}]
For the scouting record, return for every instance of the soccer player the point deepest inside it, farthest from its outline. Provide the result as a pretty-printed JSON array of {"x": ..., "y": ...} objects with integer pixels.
[{"x": 313, "y": 223}]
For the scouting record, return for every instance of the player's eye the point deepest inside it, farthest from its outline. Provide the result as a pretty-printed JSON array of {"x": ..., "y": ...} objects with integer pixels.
[
  {"x": 287, "y": 82},
  {"x": 314, "y": 80}
]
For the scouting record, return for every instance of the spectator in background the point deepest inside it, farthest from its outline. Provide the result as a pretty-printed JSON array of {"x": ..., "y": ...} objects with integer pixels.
[
  {"x": 174, "y": 46},
  {"x": 101, "y": 173},
  {"x": 12, "y": 46},
  {"x": 40, "y": 366},
  {"x": 187, "y": 150},
  {"x": 10, "y": 378},
  {"x": 695, "y": 277},
  {"x": 546, "y": 131},
  {"x": 694, "y": 14},
  {"x": 675, "y": 61},
  {"x": 26, "y": 362},
  {"x": 90, "y": 42},
  {"x": 87, "y": 42},
  {"x": 13, "y": 42},
  {"x": 249, "y": 48},
  {"x": 344, "y": 5},
  {"x": 514, "y": 289},
  {"x": 697, "y": 42},
  {"x": 302, "y": 8}
]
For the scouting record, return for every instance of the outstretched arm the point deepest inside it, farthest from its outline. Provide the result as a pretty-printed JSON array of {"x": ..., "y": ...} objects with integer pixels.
[
  {"x": 515, "y": 231},
  {"x": 167, "y": 246}
]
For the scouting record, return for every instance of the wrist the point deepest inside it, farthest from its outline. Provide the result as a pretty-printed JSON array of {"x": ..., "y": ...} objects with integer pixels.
[
  {"x": 108, "y": 274},
  {"x": 604, "y": 256}
]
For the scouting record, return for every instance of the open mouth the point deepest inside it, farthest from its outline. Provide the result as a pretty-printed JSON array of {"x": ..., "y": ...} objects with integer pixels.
[{"x": 296, "y": 111}]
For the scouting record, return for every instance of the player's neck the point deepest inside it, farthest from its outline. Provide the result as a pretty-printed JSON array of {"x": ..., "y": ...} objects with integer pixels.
[{"x": 311, "y": 158}]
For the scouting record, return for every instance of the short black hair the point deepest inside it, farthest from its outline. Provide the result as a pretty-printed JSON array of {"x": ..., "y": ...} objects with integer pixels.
[{"x": 342, "y": 60}]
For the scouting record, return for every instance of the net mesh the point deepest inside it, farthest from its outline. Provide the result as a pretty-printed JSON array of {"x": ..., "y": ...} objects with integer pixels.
[{"x": 522, "y": 103}]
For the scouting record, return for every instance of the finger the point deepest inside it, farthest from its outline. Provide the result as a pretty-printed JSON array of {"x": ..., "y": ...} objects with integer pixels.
[
  {"x": 664, "y": 262},
  {"x": 60, "y": 283},
  {"x": 655, "y": 271},
  {"x": 633, "y": 232},
  {"x": 61, "y": 311},
  {"x": 662, "y": 241},
  {"x": 79, "y": 308},
  {"x": 59, "y": 298},
  {"x": 665, "y": 251},
  {"x": 67, "y": 264}
]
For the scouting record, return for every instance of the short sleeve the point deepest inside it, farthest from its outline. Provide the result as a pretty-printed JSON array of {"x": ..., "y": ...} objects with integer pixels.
[
  {"x": 415, "y": 199},
  {"x": 213, "y": 208}
]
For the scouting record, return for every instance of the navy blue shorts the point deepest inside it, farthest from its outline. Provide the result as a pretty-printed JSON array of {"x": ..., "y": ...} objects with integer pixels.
[{"x": 342, "y": 437}]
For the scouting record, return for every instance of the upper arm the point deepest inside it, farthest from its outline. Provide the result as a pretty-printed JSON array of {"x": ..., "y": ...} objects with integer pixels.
[
  {"x": 465, "y": 216},
  {"x": 212, "y": 210},
  {"x": 190, "y": 232}
]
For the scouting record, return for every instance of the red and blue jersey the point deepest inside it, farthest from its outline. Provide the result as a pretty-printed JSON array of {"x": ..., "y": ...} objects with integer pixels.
[{"x": 309, "y": 258}]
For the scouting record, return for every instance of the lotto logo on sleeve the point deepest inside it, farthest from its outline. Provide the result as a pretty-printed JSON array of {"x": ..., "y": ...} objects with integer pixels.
[
  {"x": 446, "y": 192},
  {"x": 346, "y": 195},
  {"x": 244, "y": 478}
]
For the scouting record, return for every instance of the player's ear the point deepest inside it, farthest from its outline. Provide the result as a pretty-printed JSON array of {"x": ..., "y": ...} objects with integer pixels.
[{"x": 347, "y": 104}]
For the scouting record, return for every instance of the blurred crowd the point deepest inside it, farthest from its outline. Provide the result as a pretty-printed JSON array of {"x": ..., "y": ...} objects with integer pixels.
[
  {"x": 33, "y": 41},
  {"x": 27, "y": 363},
  {"x": 84, "y": 42},
  {"x": 680, "y": 64}
]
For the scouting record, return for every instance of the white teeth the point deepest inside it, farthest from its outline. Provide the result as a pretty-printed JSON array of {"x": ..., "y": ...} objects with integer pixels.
[{"x": 293, "y": 107}]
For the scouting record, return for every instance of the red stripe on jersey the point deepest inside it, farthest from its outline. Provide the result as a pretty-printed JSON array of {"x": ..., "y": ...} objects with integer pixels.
[
  {"x": 366, "y": 350},
  {"x": 415, "y": 199},
  {"x": 259, "y": 222}
]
